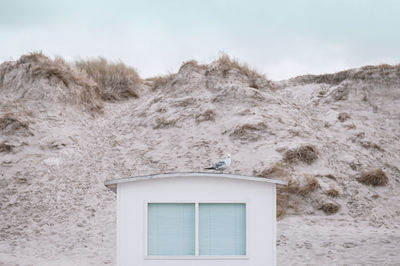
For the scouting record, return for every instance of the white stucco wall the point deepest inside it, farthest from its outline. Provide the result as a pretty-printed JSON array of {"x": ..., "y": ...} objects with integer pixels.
[{"x": 131, "y": 220}]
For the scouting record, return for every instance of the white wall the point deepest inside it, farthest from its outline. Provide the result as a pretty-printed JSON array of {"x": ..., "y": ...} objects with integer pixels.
[{"x": 131, "y": 203}]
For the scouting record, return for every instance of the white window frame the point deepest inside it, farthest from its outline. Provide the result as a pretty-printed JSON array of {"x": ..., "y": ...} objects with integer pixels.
[{"x": 196, "y": 256}]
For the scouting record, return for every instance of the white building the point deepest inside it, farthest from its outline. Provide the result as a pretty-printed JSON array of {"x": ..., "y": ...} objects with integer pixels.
[{"x": 195, "y": 219}]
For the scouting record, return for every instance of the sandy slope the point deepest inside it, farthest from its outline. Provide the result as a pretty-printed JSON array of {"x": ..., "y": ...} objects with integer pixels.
[
  {"x": 316, "y": 240},
  {"x": 56, "y": 210}
]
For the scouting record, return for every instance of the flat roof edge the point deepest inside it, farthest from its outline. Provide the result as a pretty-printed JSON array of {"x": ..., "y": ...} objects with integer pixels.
[{"x": 114, "y": 182}]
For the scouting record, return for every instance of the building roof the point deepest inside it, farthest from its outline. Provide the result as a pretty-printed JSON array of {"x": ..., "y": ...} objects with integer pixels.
[{"x": 112, "y": 184}]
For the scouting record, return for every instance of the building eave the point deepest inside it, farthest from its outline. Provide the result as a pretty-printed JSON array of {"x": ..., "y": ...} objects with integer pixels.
[{"x": 112, "y": 184}]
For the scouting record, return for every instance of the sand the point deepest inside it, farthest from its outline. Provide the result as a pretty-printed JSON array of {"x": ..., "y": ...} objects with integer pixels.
[{"x": 55, "y": 209}]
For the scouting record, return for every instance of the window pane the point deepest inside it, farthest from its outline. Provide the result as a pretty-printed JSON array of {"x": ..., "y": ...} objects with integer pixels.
[
  {"x": 222, "y": 229},
  {"x": 171, "y": 229}
]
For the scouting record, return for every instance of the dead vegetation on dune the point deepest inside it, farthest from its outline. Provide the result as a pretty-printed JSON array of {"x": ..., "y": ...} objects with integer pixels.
[
  {"x": 341, "y": 93},
  {"x": 225, "y": 63},
  {"x": 84, "y": 83},
  {"x": 294, "y": 188},
  {"x": 44, "y": 67},
  {"x": 80, "y": 89},
  {"x": 308, "y": 184},
  {"x": 370, "y": 145},
  {"x": 282, "y": 200},
  {"x": 297, "y": 190},
  {"x": 185, "y": 102},
  {"x": 33, "y": 57},
  {"x": 305, "y": 153},
  {"x": 300, "y": 187},
  {"x": 255, "y": 79},
  {"x": 11, "y": 124},
  {"x": 158, "y": 82},
  {"x": 248, "y": 132},
  {"x": 378, "y": 72},
  {"x": 192, "y": 63},
  {"x": 5, "y": 147},
  {"x": 208, "y": 115},
  {"x": 374, "y": 177},
  {"x": 115, "y": 80},
  {"x": 57, "y": 68},
  {"x": 343, "y": 116},
  {"x": 277, "y": 170},
  {"x": 332, "y": 192},
  {"x": 162, "y": 122},
  {"x": 330, "y": 208},
  {"x": 224, "y": 67}
]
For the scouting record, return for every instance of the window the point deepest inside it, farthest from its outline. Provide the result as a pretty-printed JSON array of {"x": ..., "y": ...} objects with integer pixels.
[
  {"x": 222, "y": 229},
  {"x": 196, "y": 229},
  {"x": 171, "y": 229}
]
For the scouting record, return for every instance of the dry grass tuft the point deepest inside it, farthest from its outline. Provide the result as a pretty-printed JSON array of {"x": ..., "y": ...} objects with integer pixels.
[
  {"x": 248, "y": 132},
  {"x": 305, "y": 153},
  {"x": 164, "y": 123},
  {"x": 276, "y": 170},
  {"x": 59, "y": 70},
  {"x": 330, "y": 176},
  {"x": 282, "y": 200},
  {"x": 370, "y": 145},
  {"x": 208, "y": 115},
  {"x": 115, "y": 80},
  {"x": 332, "y": 192},
  {"x": 4, "y": 147},
  {"x": 160, "y": 81},
  {"x": 374, "y": 178},
  {"x": 350, "y": 126},
  {"x": 330, "y": 208},
  {"x": 311, "y": 183},
  {"x": 343, "y": 116},
  {"x": 284, "y": 193},
  {"x": 11, "y": 124},
  {"x": 35, "y": 57},
  {"x": 226, "y": 63},
  {"x": 192, "y": 63},
  {"x": 186, "y": 102},
  {"x": 341, "y": 92}
]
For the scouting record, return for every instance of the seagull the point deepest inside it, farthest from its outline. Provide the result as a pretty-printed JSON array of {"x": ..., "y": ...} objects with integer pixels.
[{"x": 222, "y": 165}]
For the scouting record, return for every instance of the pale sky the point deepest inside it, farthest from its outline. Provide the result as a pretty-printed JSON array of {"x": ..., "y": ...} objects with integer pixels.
[{"x": 279, "y": 38}]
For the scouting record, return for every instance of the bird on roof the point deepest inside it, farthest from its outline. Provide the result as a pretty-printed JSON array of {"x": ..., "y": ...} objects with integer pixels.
[{"x": 222, "y": 165}]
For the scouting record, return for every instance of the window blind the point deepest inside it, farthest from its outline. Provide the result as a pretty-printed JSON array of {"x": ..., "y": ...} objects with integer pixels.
[
  {"x": 222, "y": 229},
  {"x": 171, "y": 229}
]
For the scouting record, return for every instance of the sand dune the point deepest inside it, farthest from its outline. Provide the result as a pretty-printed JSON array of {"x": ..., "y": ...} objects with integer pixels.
[{"x": 60, "y": 139}]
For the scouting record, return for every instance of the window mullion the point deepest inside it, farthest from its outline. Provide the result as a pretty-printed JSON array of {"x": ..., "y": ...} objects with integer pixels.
[{"x": 197, "y": 229}]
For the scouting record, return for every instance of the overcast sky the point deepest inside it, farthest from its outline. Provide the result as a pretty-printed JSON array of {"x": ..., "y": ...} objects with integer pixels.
[{"x": 279, "y": 38}]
